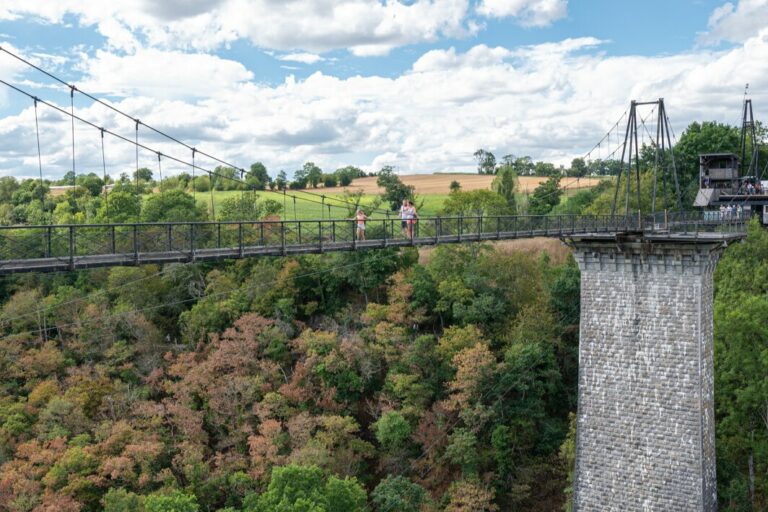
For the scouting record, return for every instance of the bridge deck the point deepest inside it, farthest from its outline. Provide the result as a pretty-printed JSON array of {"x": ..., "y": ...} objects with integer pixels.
[{"x": 71, "y": 247}]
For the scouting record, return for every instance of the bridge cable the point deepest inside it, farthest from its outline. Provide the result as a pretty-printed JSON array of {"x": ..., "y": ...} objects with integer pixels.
[
  {"x": 349, "y": 203},
  {"x": 194, "y": 184},
  {"x": 111, "y": 107},
  {"x": 74, "y": 169},
  {"x": 137, "y": 159},
  {"x": 213, "y": 207},
  {"x": 160, "y": 170},
  {"x": 39, "y": 158},
  {"x": 104, "y": 165},
  {"x": 139, "y": 145}
]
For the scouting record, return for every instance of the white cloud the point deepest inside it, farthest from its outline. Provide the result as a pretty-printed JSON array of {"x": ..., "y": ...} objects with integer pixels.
[
  {"x": 159, "y": 74},
  {"x": 736, "y": 23},
  {"x": 533, "y": 13},
  {"x": 365, "y": 27},
  {"x": 304, "y": 58},
  {"x": 550, "y": 101}
]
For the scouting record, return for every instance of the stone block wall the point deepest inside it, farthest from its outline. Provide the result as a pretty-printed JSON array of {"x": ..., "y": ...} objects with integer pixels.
[{"x": 645, "y": 425}]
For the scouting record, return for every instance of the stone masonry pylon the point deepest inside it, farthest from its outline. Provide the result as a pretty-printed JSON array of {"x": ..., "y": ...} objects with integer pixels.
[{"x": 645, "y": 427}]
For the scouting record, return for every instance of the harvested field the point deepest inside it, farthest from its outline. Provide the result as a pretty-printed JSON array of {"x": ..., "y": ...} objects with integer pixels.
[{"x": 441, "y": 183}]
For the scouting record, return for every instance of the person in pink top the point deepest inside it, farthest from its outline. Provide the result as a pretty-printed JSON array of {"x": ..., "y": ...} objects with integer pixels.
[{"x": 360, "y": 217}]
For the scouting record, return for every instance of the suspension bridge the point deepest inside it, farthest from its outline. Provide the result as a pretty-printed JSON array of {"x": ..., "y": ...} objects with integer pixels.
[
  {"x": 645, "y": 423},
  {"x": 57, "y": 247}
]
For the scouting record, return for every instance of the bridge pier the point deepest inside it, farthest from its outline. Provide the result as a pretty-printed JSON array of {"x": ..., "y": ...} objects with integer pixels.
[{"x": 645, "y": 424}]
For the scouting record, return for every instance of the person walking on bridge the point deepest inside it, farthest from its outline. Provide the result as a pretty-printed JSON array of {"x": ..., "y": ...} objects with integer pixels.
[
  {"x": 412, "y": 216},
  {"x": 404, "y": 217}
]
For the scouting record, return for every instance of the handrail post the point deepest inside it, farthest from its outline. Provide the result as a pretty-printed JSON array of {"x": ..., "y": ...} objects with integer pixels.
[
  {"x": 437, "y": 229},
  {"x": 261, "y": 233},
  {"x": 240, "y": 238},
  {"x": 191, "y": 242},
  {"x": 114, "y": 242},
  {"x": 48, "y": 244},
  {"x": 320, "y": 234},
  {"x": 461, "y": 225},
  {"x": 498, "y": 227},
  {"x": 136, "y": 243},
  {"x": 298, "y": 223},
  {"x": 282, "y": 236},
  {"x": 333, "y": 231},
  {"x": 384, "y": 223},
  {"x": 666, "y": 220},
  {"x": 480, "y": 228},
  {"x": 218, "y": 235},
  {"x": 170, "y": 242},
  {"x": 354, "y": 235},
  {"x": 546, "y": 228},
  {"x": 71, "y": 247}
]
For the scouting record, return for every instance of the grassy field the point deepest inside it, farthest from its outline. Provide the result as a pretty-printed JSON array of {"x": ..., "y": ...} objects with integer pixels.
[{"x": 431, "y": 189}]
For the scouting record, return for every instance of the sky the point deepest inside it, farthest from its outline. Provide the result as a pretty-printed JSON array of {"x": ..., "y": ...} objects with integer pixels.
[{"x": 416, "y": 84}]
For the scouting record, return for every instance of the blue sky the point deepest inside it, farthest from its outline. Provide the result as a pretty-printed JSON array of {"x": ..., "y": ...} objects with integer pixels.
[{"x": 417, "y": 84}]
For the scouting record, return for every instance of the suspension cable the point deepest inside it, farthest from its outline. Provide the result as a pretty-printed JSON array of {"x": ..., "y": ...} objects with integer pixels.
[
  {"x": 137, "y": 158},
  {"x": 109, "y": 106},
  {"x": 72, "y": 118},
  {"x": 39, "y": 153},
  {"x": 104, "y": 165},
  {"x": 194, "y": 185},
  {"x": 160, "y": 170}
]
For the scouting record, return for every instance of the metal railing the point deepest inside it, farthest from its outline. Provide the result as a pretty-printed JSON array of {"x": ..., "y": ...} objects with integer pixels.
[{"x": 70, "y": 246}]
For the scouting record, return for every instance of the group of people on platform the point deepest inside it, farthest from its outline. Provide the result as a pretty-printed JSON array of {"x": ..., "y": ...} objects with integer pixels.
[
  {"x": 731, "y": 211},
  {"x": 408, "y": 218},
  {"x": 751, "y": 189}
]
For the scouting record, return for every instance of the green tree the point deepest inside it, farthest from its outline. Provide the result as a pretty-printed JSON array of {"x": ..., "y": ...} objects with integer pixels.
[
  {"x": 171, "y": 206},
  {"x": 454, "y": 186},
  {"x": 486, "y": 161},
  {"x": 120, "y": 206},
  {"x": 392, "y": 430},
  {"x": 395, "y": 191},
  {"x": 578, "y": 167},
  {"x": 347, "y": 174},
  {"x": 174, "y": 501},
  {"x": 143, "y": 175},
  {"x": 258, "y": 177},
  {"x": 545, "y": 197},
  {"x": 741, "y": 366},
  {"x": 120, "y": 500},
  {"x": 398, "y": 494},
  {"x": 476, "y": 202},
  {"x": 226, "y": 178},
  {"x": 330, "y": 180},
  {"x": 296, "y": 488},
  {"x": 545, "y": 169},
  {"x": 8, "y": 185},
  {"x": 91, "y": 182},
  {"x": 248, "y": 207},
  {"x": 505, "y": 184},
  {"x": 698, "y": 138},
  {"x": 282, "y": 180}
]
